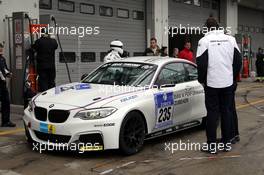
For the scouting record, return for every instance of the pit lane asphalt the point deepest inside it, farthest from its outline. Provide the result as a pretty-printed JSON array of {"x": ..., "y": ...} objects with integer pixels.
[{"x": 246, "y": 157}]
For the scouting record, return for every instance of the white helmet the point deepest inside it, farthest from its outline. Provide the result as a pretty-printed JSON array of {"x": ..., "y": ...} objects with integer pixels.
[{"x": 117, "y": 45}]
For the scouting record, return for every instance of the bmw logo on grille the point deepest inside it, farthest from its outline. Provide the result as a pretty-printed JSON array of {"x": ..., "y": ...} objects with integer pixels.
[{"x": 51, "y": 106}]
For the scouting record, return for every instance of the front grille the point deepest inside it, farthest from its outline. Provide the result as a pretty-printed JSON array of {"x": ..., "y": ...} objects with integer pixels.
[
  {"x": 58, "y": 116},
  {"x": 53, "y": 138},
  {"x": 91, "y": 139},
  {"x": 40, "y": 113}
]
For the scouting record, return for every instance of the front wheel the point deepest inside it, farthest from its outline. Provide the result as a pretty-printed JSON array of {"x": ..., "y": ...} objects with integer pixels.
[{"x": 132, "y": 133}]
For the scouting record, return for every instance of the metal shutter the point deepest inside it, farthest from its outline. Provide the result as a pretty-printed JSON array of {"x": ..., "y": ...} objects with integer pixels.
[
  {"x": 130, "y": 31},
  {"x": 180, "y": 13}
]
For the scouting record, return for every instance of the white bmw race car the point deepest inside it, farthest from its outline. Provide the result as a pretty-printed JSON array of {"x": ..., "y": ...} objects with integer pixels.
[{"x": 119, "y": 105}]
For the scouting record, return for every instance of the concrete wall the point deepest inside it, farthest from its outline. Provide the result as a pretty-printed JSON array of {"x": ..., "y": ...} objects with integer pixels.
[
  {"x": 156, "y": 21},
  {"x": 232, "y": 15}
]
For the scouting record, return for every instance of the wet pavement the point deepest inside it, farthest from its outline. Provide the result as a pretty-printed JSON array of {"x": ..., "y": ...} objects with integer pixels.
[{"x": 246, "y": 157}]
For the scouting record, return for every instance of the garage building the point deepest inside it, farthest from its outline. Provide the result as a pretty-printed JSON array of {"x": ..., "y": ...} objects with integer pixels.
[{"x": 133, "y": 22}]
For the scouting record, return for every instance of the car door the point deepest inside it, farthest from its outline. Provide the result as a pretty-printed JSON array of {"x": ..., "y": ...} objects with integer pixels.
[
  {"x": 195, "y": 91},
  {"x": 171, "y": 107}
]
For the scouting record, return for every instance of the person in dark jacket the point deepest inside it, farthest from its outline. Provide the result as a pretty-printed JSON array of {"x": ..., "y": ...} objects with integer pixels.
[
  {"x": 260, "y": 65},
  {"x": 45, "y": 48},
  {"x": 218, "y": 62},
  {"x": 164, "y": 51},
  {"x": 4, "y": 94},
  {"x": 154, "y": 49}
]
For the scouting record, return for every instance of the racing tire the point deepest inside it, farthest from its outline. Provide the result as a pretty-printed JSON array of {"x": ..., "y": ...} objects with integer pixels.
[{"x": 132, "y": 133}]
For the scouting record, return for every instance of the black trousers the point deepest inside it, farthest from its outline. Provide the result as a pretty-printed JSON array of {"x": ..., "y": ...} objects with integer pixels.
[
  {"x": 260, "y": 68},
  {"x": 5, "y": 102},
  {"x": 234, "y": 126},
  {"x": 46, "y": 79},
  {"x": 219, "y": 102}
]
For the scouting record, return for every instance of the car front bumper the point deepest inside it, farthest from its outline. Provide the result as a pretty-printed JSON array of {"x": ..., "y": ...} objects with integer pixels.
[{"x": 87, "y": 135}]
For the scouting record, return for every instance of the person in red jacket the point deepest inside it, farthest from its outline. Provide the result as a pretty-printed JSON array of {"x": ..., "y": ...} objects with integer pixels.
[{"x": 186, "y": 53}]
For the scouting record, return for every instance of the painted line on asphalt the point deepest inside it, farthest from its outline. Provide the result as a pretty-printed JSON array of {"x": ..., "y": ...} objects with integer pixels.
[
  {"x": 118, "y": 167},
  {"x": 210, "y": 157},
  {"x": 14, "y": 131},
  {"x": 249, "y": 87},
  {"x": 181, "y": 159},
  {"x": 106, "y": 171},
  {"x": 250, "y": 103}
]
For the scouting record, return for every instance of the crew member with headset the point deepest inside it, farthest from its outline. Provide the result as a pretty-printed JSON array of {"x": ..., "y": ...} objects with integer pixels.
[
  {"x": 4, "y": 94},
  {"x": 116, "y": 51},
  {"x": 45, "y": 47},
  {"x": 219, "y": 62}
]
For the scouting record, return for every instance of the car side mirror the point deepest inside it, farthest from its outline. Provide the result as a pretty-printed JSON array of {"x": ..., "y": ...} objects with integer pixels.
[{"x": 84, "y": 76}]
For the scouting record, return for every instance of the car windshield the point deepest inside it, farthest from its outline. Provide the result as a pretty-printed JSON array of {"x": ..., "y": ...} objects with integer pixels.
[{"x": 120, "y": 73}]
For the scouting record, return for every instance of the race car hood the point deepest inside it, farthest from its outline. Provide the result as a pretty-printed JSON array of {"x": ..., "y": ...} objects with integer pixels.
[{"x": 81, "y": 94}]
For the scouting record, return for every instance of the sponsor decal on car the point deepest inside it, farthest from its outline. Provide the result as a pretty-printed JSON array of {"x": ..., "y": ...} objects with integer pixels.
[
  {"x": 184, "y": 97},
  {"x": 104, "y": 125},
  {"x": 164, "y": 103},
  {"x": 63, "y": 88},
  {"x": 128, "y": 98},
  {"x": 47, "y": 128}
]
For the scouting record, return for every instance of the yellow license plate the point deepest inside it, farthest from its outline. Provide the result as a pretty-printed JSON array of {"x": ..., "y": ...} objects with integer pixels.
[{"x": 92, "y": 148}]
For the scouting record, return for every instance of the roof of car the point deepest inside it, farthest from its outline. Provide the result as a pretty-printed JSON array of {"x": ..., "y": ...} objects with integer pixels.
[{"x": 152, "y": 59}]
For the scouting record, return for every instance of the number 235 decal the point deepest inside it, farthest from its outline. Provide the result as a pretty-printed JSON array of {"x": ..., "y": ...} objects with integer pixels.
[
  {"x": 164, "y": 102},
  {"x": 164, "y": 114}
]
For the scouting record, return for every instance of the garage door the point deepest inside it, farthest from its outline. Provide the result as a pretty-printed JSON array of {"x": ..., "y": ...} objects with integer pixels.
[
  {"x": 118, "y": 19},
  {"x": 192, "y": 12}
]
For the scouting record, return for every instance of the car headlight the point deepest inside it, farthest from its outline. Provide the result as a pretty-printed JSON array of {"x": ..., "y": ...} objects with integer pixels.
[
  {"x": 31, "y": 106},
  {"x": 92, "y": 114}
]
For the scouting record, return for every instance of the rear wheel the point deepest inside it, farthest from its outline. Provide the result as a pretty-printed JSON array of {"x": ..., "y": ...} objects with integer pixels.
[{"x": 132, "y": 133}]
